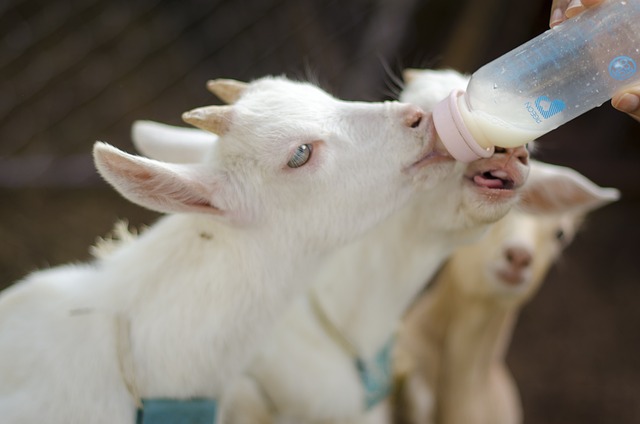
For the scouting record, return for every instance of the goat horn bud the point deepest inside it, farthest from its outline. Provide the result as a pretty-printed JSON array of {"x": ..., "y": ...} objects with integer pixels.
[
  {"x": 410, "y": 74},
  {"x": 215, "y": 119},
  {"x": 227, "y": 90}
]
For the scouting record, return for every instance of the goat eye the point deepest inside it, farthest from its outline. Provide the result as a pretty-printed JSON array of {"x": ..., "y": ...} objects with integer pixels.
[
  {"x": 560, "y": 235},
  {"x": 300, "y": 156}
]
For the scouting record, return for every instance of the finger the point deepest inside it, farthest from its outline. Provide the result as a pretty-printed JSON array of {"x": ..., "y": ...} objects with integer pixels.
[
  {"x": 591, "y": 3},
  {"x": 558, "y": 8},
  {"x": 574, "y": 8},
  {"x": 628, "y": 102}
]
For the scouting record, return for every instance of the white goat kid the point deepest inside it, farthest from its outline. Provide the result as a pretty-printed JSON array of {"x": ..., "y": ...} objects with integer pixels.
[
  {"x": 178, "y": 312},
  {"x": 452, "y": 347},
  {"x": 312, "y": 369}
]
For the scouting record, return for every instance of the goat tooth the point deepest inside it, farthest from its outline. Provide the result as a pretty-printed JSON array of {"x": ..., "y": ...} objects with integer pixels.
[{"x": 500, "y": 174}]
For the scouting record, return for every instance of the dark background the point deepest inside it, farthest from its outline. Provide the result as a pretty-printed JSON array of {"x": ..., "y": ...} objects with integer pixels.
[{"x": 72, "y": 72}]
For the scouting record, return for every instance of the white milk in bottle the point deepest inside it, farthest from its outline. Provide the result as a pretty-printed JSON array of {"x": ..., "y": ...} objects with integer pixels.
[{"x": 557, "y": 76}]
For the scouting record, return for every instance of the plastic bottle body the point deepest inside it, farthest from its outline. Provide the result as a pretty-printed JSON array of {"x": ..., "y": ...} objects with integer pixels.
[
  {"x": 555, "y": 77},
  {"x": 489, "y": 130}
]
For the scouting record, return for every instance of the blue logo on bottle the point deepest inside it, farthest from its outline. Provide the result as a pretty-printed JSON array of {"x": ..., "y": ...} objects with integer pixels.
[
  {"x": 548, "y": 107},
  {"x": 622, "y": 68}
]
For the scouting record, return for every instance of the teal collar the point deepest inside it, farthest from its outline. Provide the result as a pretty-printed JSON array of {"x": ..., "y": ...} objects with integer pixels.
[
  {"x": 376, "y": 375},
  {"x": 173, "y": 411},
  {"x": 157, "y": 411}
]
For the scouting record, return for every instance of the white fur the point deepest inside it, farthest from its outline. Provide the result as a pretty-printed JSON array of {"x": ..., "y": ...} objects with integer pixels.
[
  {"x": 120, "y": 235},
  {"x": 305, "y": 373},
  {"x": 200, "y": 289},
  {"x": 451, "y": 350}
]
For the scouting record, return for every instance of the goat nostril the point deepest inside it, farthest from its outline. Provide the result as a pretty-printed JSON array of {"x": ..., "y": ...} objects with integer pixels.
[
  {"x": 414, "y": 118},
  {"x": 518, "y": 257},
  {"x": 522, "y": 154}
]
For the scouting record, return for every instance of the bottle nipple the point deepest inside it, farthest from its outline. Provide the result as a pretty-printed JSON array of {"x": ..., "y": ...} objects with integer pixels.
[{"x": 454, "y": 133}]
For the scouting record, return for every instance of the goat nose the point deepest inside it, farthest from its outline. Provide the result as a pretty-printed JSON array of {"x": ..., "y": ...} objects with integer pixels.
[
  {"x": 521, "y": 153},
  {"x": 518, "y": 257},
  {"x": 413, "y": 116}
]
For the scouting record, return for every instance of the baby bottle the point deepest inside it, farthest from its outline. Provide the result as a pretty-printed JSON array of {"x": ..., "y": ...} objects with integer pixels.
[{"x": 561, "y": 74}]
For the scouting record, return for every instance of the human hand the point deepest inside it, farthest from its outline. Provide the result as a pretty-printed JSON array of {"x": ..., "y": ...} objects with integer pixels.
[
  {"x": 627, "y": 101},
  {"x": 561, "y": 10}
]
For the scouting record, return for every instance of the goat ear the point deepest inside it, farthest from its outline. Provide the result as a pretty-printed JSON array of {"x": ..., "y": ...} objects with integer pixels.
[
  {"x": 164, "y": 187},
  {"x": 171, "y": 144},
  {"x": 558, "y": 189}
]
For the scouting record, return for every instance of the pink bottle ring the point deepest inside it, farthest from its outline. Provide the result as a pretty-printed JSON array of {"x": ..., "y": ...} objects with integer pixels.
[{"x": 454, "y": 133}]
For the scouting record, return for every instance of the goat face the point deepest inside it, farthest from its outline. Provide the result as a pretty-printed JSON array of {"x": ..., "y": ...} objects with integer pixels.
[
  {"x": 471, "y": 194},
  {"x": 514, "y": 256},
  {"x": 310, "y": 161},
  {"x": 292, "y": 157}
]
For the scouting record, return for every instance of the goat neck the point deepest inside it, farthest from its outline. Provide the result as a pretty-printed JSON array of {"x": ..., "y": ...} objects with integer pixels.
[
  {"x": 217, "y": 274},
  {"x": 382, "y": 273},
  {"x": 475, "y": 332}
]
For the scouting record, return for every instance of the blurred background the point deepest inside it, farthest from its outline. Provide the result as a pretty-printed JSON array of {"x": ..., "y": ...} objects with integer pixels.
[{"x": 75, "y": 71}]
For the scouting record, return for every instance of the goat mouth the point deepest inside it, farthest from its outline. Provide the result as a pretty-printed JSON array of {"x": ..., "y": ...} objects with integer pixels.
[
  {"x": 511, "y": 278},
  {"x": 431, "y": 157},
  {"x": 434, "y": 153},
  {"x": 497, "y": 179}
]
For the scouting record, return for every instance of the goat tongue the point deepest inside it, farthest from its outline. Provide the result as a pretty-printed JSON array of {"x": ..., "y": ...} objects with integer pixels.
[{"x": 488, "y": 180}]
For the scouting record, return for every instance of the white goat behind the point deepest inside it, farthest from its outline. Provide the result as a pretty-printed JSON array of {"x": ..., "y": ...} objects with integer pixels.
[
  {"x": 451, "y": 350},
  {"x": 306, "y": 371},
  {"x": 178, "y": 312},
  {"x": 171, "y": 144}
]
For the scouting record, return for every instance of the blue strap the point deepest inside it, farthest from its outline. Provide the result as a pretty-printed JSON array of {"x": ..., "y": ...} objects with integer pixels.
[
  {"x": 377, "y": 375},
  {"x": 172, "y": 411}
]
